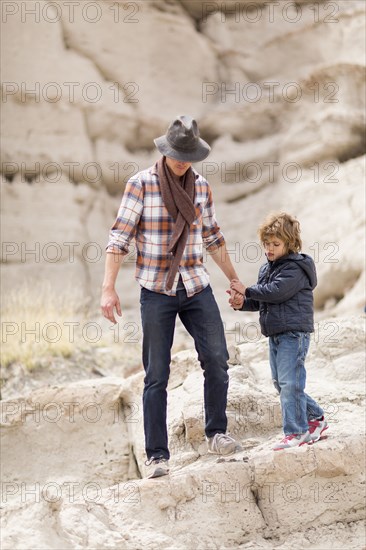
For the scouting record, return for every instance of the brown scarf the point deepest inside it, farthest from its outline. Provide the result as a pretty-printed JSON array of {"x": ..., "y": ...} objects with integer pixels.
[{"x": 179, "y": 201}]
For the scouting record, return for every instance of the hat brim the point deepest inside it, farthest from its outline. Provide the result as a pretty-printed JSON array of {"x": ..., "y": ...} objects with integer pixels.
[{"x": 199, "y": 153}]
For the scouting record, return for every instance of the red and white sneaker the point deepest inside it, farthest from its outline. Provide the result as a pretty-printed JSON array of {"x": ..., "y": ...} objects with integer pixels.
[
  {"x": 316, "y": 428},
  {"x": 293, "y": 440}
]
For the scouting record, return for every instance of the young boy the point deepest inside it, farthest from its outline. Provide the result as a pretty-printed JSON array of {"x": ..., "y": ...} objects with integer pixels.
[{"x": 284, "y": 297}]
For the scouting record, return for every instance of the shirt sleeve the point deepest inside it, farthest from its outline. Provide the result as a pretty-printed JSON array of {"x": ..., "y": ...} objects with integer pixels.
[
  {"x": 129, "y": 214},
  {"x": 250, "y": 305},
  {"x": 211, "y": 234}
]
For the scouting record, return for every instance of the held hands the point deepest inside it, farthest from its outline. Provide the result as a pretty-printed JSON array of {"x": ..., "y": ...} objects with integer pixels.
[
  {"x": 237, "y": 294},
  {"x": 110, "y": 301},
  {"x": 237, "y": 286}
]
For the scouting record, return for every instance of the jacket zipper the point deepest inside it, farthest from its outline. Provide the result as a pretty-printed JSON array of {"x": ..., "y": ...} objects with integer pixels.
[{"x": 266, "y": 305}]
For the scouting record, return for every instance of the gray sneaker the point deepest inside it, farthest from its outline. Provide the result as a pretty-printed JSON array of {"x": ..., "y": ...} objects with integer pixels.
[
  {"x": 222, "y": 444},
  {"x": 294, "y": 440},
  {"x": 156, "y": 467}
]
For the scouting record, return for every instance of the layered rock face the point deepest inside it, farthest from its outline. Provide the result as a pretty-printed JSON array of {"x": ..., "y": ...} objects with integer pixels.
[
  {"x": 278, "y": 89},
  {"x": 71, "y": 476}
]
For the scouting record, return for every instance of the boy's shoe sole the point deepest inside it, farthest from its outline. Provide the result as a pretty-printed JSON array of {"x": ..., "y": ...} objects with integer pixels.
[
  {"x": 295, "y": 447},
  {"x": 298, "y": 441},
  {"x": 321, "y": 438}
]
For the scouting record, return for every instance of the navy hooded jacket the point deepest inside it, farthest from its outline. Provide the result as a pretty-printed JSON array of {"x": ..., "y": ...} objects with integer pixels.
[{"x": 284, "y": 295}]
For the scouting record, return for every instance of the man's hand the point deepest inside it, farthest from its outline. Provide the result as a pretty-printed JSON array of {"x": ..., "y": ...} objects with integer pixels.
[
  {"x": 110, "y": 301},
  {"x": 237, "y": 294},
  {"x": 236, "y": 285},
  {"x": 236, "y": 299}
]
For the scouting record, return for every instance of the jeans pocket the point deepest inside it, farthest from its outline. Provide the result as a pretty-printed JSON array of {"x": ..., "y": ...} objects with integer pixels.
[
  {"x": 144, "y": 295},
  {"x": 295, "y": 333}
]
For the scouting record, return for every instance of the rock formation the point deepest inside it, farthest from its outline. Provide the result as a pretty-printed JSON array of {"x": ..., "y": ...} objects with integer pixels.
[
  {"x": 278, "y": 89},
  {"x": 71, "y": 474},
  {"x": 81, "y": 120}
]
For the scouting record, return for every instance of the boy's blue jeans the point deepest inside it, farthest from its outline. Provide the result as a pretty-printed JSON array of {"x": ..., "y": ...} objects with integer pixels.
[
  {"x": 287, "y": 352},
  {"x": 201, "y": 317}
]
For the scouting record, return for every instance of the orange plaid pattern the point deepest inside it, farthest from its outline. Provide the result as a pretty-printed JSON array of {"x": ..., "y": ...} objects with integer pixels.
[{"x": 142, "y": 216}]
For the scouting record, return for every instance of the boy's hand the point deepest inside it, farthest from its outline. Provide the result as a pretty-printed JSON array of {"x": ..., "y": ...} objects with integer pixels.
[
  {"x": 236, "y": 285},
  {"x": 236, "y": 299}
]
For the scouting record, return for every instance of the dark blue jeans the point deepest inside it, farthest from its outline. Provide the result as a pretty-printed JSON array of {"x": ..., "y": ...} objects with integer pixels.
[
  {"x": 201, "y": 317},
  {"x": 287, "y": 352}
]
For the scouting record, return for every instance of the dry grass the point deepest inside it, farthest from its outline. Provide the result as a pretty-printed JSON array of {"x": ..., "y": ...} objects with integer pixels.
[{"x": 37, "y": 323}]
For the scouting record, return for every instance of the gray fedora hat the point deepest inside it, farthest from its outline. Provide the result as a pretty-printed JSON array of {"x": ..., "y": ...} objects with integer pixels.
[{"x": 182, "y": 141}]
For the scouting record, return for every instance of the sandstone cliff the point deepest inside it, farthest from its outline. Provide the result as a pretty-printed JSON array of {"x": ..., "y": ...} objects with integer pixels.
[{"x": 278, "y": 89}]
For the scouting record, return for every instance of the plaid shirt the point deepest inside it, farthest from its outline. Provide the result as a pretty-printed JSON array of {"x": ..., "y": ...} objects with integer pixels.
[{"x": 143, "y": 216}]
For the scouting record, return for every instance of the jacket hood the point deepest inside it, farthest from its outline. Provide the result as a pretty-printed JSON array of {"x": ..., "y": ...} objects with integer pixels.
[{"x": 306, "y": 263}]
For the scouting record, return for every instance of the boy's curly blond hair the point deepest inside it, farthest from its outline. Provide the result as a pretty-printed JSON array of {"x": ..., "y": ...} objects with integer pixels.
[{"x": 284, "y": 227}]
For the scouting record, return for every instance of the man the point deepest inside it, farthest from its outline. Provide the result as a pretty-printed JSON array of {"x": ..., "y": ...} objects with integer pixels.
[{"x": 168, "y": 209}]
